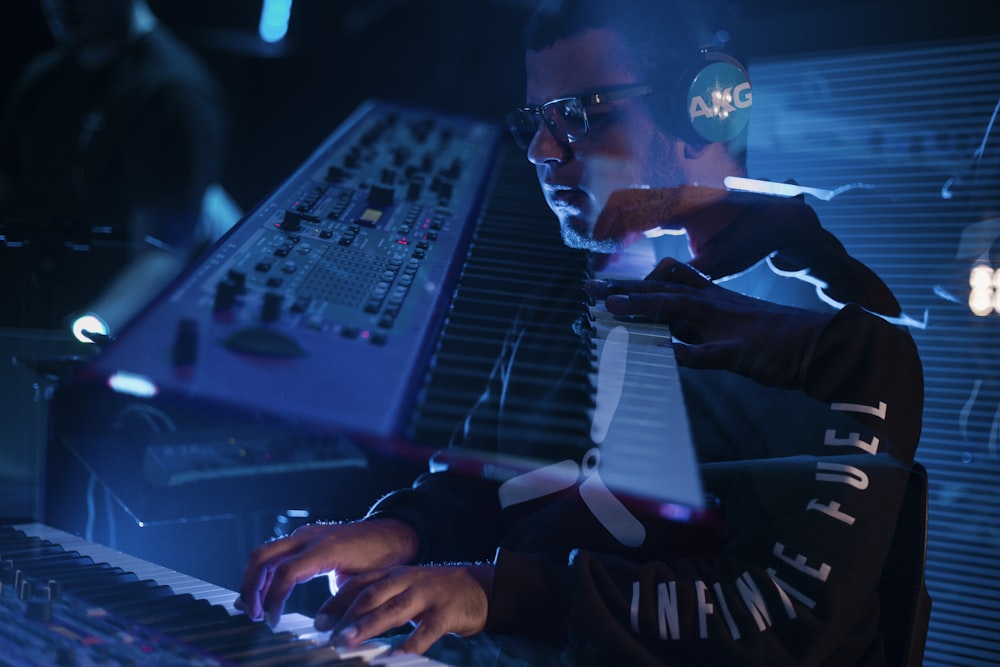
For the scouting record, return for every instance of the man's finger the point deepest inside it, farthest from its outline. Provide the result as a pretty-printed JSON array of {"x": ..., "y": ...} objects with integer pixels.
[
  {"x": 658, "y": 306},
  {"x": 256, "y": 572},
  {"x": 671, "y": 271},
  {"x": 422, "y": 638},
  {"x": 382, "y": 606},
  {"x": 259, "y": 571},
  {"x": 601, "y": 289},
  {"x": 348, "y": 590},
  {"x": 286, "y": 576},
  {"x": 702, "y": 356},
  {"x": 665, "y": 279}
]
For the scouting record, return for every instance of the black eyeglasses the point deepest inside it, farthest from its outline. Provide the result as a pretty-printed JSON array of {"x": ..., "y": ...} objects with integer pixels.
[{"x": 566, "y": 117}]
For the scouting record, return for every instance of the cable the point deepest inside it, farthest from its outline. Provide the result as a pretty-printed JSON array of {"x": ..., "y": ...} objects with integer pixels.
[{"x": 977, "y": 155}]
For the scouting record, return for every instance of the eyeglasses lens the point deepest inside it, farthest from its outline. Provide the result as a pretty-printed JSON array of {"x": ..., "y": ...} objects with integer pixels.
[
  {"x": 566, "y": 119},
  {"x": 523, "y": 124}
]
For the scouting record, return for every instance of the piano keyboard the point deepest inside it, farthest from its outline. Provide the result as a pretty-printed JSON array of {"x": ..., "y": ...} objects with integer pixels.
[
  {"x": 516, "y": 254},
  {"x": 639, "y": 420},
  {"x": 646, "y": 452},
  {"x": 641, "y": 451},
  {"x": 67, "y": 601}
]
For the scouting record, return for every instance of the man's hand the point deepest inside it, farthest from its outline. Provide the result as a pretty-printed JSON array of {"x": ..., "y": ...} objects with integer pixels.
[
  {"x": 718, "y": 328},
  {"x": 438, "y": 600},
  {"x": 347, "y": 549}
]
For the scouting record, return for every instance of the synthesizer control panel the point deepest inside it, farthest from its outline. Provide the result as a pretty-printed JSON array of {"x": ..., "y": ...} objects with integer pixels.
[{"x": 322, "y": 305}]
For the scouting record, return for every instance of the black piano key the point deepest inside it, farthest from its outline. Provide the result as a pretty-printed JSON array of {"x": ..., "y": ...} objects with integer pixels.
[
  {"x": 115, "y": 580},
  {"x": 246, "y": 648},
  {"x": 67, "y": 569},
  {"x": 28, "y": 551},
  {"x": 160, "y": 612},
  {"x": 121, "y": 591},
  {"x": 238, "y": 636},
  {"x": 40, "y": 557},
  {"x": 199, "y": 622},
  {"x": 517, "y": 260},
  {"x": 223, "y": 635}
]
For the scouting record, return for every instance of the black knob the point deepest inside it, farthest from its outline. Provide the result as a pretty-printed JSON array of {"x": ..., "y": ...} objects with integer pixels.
[
  {"x": 271, "y": 309},
  {"x": 186, "y": 343},
  {"x": 225, "y": 295},
  {"x": 39, "y": 610},
  {"x": 291, "y": 222}
]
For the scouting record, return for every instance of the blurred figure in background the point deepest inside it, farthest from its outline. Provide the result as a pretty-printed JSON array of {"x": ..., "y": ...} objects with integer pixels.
[{"x": 108, "y": 145}]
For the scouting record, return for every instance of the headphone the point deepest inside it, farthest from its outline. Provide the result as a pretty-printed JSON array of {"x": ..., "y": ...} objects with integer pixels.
[{"x": 712, "y": 98}]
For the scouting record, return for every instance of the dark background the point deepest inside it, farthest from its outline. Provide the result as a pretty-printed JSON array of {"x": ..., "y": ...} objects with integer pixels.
[{"x": 456, "y": 55}]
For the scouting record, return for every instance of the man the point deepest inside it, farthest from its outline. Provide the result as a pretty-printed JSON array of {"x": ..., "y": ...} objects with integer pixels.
[
  {"x": 620, "y": 178},
  {"x": 808, "y": 507},
  {"x": 107, "y": 147}
]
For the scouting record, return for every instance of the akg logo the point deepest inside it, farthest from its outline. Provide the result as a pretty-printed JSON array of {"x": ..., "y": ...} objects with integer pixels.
[{"x": 719, "y": 101}]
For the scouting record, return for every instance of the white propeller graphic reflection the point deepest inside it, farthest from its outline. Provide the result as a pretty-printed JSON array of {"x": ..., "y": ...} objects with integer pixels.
[{"x": 611, "y": 513}]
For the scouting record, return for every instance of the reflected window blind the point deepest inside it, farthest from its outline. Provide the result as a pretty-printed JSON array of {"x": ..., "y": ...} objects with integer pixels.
[{"x": 901, "y": 134}]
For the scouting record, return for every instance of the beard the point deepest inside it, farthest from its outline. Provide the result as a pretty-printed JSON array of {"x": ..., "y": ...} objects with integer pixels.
[{"x": 576, "y": 233}]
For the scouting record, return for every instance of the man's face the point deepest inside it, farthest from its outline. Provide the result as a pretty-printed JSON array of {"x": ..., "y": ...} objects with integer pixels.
[{"x": 623, "y": 148}]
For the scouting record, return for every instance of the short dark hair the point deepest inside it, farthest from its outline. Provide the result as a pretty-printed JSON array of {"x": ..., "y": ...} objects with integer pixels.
[
  {"x": 655, "y": 28},
  {"x": 665, "y": 38}
]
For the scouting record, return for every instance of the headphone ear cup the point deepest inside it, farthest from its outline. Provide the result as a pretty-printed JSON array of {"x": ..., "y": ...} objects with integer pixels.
[{"x": 717, "y": 98}]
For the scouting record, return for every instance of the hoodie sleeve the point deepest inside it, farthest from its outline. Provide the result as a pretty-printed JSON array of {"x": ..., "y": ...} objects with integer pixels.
[
  {"x": 795, "y": 583},
  {"x": 457, "y": 517},
  {"x": 805, "y": 538}
]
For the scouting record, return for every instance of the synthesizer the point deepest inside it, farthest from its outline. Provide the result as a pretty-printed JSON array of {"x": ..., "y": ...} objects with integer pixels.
[
  {"x": 322, "y": 305},
  {"x": 361, "y": 305},
  {"x": 368, "y": 299},
  {"x": 68, "y": 601}
]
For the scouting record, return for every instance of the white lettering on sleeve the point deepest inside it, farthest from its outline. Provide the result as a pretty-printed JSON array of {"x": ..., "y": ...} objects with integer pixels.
[
  {"x": 754, "y": 601},
  {"x": 666, "y": 607},
  {"x": 852, "y": 440},
  {"x": 833, "y": 509},
  {"x": 704, "y": 609},
  {"x": 733, "y": 630},
  {"x": 864, "y": 409},
  {"x": 799, "y": 563},
  {"x": 789, "y": 607},
  {"x": 785, "y": 587},
  {"x": 850, "y": 475}
]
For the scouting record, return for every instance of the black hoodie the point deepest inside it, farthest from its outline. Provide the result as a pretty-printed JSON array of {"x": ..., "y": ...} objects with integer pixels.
[{"x": 807, "y": 477}]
